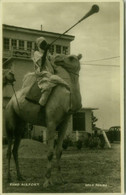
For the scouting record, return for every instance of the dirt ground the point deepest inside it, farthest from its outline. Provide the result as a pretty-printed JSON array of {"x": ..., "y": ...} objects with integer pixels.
[{"x": 84, "y": 171}]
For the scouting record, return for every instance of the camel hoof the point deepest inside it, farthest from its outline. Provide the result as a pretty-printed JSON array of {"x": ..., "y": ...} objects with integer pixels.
[
  {"x": 60, "y": 178},
  {"x": 47, "y": 183}
]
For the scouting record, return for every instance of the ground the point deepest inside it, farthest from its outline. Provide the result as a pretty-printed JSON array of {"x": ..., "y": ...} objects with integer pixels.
[{"x": 85, "y": 170}]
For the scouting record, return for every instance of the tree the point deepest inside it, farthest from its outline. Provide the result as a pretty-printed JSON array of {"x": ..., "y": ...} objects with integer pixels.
[{"x": 94, "y": 120}]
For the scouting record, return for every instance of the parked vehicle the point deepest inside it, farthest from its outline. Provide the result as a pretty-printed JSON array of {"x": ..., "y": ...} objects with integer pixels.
[{"x": 113, "y": 134}]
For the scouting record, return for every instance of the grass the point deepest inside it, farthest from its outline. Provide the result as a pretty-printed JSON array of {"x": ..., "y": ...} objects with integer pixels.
[{"x": 84, "y": 171}]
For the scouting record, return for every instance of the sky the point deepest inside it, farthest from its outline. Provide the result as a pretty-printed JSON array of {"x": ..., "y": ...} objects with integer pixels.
[{"x": 97, "y": 37}]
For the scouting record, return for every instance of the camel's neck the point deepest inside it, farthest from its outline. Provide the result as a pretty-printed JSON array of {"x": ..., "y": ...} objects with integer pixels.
[
  {"x": 61, "y": 72},
  {"x": 69, "y": 77},
  {"x": 73, "y": 81}
]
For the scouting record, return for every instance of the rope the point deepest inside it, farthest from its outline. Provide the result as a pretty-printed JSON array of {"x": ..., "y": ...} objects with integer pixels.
[
  {"x": 103, "y": 59},
  {"x": 15, "y": 96}
]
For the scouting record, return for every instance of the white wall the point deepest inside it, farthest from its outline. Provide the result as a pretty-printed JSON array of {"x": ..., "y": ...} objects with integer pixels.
[{"x": 88, "y": 121}]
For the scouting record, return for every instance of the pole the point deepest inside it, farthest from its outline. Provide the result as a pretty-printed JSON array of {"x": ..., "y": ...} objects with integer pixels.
[
  {"x": 93, "y": 10},
  {"x": 106, "y": 139}
]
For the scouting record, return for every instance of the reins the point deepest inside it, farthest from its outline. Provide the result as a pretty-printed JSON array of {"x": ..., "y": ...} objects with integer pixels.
[
  {"x": 15, "y": 96},
  {"x": 74, "y": 73}
]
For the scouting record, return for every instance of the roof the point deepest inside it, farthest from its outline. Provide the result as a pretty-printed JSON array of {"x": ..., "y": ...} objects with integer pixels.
[
  {"x": 88, "y": 108},
  {"x": 35, "y": 31},
  {"x": 115, "y": 127}
]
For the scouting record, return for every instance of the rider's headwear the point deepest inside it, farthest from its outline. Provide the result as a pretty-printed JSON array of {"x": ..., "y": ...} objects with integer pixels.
[{"x": 39, "y": 41}]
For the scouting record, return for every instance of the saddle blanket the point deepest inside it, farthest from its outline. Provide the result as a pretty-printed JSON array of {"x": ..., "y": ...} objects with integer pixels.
[{"x": 34, "y": 93}]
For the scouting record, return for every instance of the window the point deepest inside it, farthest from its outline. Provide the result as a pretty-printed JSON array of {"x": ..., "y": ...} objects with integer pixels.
[
  {"x": 14, "y": 43},
  {"x": 6, "y": 43},
  {"x": 79, "y": 121},
  {"x": 21, "y": 44},
  {"x": 58, "y": 49},
  {"x": 35, "y": 47},
  {"x": 29, "y": 45},
  {"x": 51, "y": 49},
  {"x": 65, "y": 50}
]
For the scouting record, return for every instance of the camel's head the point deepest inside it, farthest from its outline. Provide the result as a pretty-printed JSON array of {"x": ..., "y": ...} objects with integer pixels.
[
  {"x": 70, "y": 62},
  {"x": 8, "y": 77}
]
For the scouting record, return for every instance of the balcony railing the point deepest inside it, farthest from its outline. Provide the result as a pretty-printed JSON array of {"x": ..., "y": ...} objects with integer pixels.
[{"x": 18, "y": 53}]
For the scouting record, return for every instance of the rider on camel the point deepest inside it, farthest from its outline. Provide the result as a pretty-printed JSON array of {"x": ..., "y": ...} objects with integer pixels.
[{"x": 45, "y": 70}]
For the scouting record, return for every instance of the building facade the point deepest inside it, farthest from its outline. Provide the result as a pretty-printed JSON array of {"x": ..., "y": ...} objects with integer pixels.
[{"x": 19, "y": 42}]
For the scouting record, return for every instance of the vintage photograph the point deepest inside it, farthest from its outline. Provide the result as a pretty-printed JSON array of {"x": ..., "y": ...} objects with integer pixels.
[{"x": 62, "y": 97}]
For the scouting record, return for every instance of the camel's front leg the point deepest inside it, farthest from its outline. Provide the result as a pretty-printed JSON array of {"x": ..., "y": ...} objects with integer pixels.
[
  {"x": 61, "y": 135},
  {"x": 15, "y": 154},
  {"x": 50, "y": 142}
]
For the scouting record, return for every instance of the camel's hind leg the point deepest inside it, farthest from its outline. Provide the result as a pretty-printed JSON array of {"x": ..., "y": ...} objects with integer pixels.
[
  {"x": 15, "y": 130},
  {"x": 61, "y": 135},
  {"x": 10, "y": 126}
]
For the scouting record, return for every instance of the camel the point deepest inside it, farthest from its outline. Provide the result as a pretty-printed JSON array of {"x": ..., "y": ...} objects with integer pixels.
[
  {"x": 8, "y": 77},
  {"x": 56, "y": 113}
]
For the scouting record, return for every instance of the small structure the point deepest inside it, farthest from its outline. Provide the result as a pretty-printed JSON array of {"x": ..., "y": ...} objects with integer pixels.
[{"x": 81, "y": 123}]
